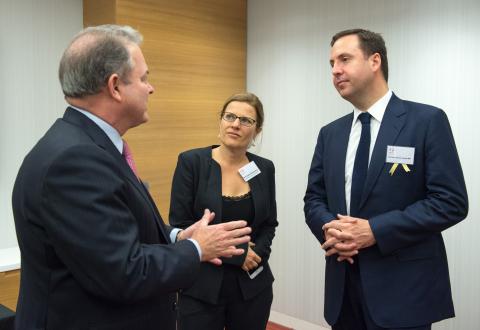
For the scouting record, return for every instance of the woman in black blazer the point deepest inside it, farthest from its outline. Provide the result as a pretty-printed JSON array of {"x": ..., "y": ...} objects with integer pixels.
[{"x": 238, "y": 294}]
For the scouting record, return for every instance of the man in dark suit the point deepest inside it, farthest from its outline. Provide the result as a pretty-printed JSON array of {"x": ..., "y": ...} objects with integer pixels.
[
  {"x": 95, "y": 251},
  {"x": 385, "y": 181}
]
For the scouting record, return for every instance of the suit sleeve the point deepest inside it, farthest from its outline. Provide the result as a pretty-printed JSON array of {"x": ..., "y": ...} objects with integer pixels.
[
  {"x": 316, "y": 205},
  {"x": 266, "y": 232},
  {"x": 85, "y": 201},
  {"x": 446, "y": 201}
]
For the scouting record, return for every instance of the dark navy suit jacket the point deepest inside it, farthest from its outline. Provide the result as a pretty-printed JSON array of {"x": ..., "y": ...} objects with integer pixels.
[
  {"x": 404, "y": 275},
  {"x": 95, "y": 253}
]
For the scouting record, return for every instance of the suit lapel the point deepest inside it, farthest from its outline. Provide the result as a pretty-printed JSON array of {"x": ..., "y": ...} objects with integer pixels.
[
  {"x": 158, "y": 217},
  {"x": 102, "y": 140},
  {"x": 339, "y": 156},
  {"x": 213, "y": 193},
  {"x": 392, "y": 123},
  {"x": 258, "y": 194}
]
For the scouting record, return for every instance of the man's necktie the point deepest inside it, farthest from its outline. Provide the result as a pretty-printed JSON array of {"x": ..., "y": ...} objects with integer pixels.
[
  {"x": 360, "y": 165},
  {"x": 127, "y": 154}
]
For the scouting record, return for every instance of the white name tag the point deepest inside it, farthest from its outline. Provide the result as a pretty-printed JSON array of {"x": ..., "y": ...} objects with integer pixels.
[
  {"x": 249, "y": 171},
  {"x": 400, "y": 155},
  {"x": 254, "y": 274}
]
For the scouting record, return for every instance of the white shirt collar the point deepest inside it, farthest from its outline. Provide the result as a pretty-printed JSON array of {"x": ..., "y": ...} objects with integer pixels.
[
  {"x": 111, "y": 132},
  {"x": 377, "y": 110}
]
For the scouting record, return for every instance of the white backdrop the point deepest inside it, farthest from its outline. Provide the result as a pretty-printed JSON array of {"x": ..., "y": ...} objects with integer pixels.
[
  {"x": 433, "y": 48},
  {"x": 33, "y": 35}
]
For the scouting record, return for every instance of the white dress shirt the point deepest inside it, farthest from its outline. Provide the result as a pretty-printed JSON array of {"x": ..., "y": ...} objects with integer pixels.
[{"x": 377, "y": 110}]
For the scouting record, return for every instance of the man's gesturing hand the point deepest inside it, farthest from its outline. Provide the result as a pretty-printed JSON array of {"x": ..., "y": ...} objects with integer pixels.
[{"x": 218, "y": 240}]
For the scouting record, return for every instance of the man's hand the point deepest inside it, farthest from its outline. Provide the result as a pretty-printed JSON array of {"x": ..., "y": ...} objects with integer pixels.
[
  {"x": 252, "y": 259},
  {"x": 346, "y": 236},
  {"x": 218, "y": 240}
]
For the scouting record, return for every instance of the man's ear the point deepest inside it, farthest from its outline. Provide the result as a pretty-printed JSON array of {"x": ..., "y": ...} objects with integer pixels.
[
  {"x": 113, "y": 83},
  {"x": 376, "y": 61}
]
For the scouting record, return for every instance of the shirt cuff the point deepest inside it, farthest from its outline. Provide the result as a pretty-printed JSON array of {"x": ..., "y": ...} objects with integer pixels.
[
  {"x": 197, "y": 246},
  {"x": 173, "y": 234}
]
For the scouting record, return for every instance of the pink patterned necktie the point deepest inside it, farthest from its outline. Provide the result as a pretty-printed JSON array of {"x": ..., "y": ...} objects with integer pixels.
[{"x": 127, "y": 154}]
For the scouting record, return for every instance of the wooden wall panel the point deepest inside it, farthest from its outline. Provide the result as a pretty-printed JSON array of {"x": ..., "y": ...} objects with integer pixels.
[
  {"x": 196, "y": 53},
  {"x": 9, "y": 286},
  {"x": 96, "y": 12}
]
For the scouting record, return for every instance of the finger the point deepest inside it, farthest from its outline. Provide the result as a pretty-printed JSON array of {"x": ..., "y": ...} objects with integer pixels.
[
  {"x": 331, "y": 252},
  {"x": 330, "y": 243},
  {"x": 257, "y": 259},
  {"x": 348, "y": 259},
  {"x": 229, "y": 252},
  {"x": 347, "y": 218},
  {"x": 244, "y": 267},
  {"x": 340, "y": 235},
  {"x": 216, "y": 261},
  {"x": 346, "y": 246},
  {"x": 207, "y": 216},
  {"x": 251, "y": 244},
  {"x": 331, "y": 224},
  {"x": 347, "y": 253},
  {"x": 231, "y": 225},
  {"x": 236, "y": 241},
  {"x": 237, "y": 232}
]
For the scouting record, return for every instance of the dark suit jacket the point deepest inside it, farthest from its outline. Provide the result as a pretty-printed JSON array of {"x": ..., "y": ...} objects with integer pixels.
[
  {"x": 196, "y": 186},
  {"x": 405, "y": 274},
  {"x": 94, "y": 248}
]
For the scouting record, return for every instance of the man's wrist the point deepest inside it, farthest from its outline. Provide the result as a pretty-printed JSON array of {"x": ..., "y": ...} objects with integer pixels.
[{"x": 179, "y": 236}]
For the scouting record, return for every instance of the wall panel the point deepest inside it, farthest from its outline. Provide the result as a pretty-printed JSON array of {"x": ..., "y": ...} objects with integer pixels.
[
  {"x": 433, "y": 47},
  {"x": 196, "y": 53}
]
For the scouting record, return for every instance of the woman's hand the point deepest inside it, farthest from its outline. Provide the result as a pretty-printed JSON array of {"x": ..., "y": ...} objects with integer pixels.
[{"x": 252, "y": 259}]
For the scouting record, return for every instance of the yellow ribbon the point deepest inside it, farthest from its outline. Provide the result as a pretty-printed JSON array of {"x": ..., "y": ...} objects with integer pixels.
[{"x": 394, "y": 167}]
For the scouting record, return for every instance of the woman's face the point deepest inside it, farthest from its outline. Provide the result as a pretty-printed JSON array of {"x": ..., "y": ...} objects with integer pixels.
[{"x": 237, "y": 134}]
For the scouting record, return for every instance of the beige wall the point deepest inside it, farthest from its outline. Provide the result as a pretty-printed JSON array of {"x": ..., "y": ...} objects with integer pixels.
[{"x": 196, "y": 53}]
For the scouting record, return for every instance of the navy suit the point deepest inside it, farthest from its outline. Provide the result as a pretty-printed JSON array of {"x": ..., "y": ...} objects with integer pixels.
[
  {"x": 404, "y": 276},
  {"x": 95, "y": 252}
]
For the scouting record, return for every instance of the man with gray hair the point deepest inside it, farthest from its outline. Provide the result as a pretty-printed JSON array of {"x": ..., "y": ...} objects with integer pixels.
[{"x": 95, "y": 251}]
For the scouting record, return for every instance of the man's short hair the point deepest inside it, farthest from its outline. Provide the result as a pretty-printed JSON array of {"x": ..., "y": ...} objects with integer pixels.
[
  {"x": 93, "y": 56},
  {"x": 370, "y": 43}
]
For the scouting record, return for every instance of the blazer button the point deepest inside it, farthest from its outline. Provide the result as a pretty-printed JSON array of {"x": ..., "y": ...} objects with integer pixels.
[{"x": 174, "y": 306}]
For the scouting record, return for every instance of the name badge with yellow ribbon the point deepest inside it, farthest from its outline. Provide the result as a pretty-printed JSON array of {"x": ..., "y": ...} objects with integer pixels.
[{"x": 400, "y": 156}]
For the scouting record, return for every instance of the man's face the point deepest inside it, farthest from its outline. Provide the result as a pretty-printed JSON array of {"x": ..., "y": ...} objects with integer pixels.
[
  {"x": 351, "y": 69},
  {"x": 137, "y": 89}
]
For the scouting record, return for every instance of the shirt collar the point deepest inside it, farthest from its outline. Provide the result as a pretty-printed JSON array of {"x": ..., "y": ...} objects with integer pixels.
[
  {"x": 111, "y": 132},
  {"x": 377, "y": 110}
]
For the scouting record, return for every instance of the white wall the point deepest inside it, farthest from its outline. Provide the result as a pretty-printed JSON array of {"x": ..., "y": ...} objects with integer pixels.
[
  {"x": 433, "y": 50},
  {"x": 33, "y": 35}
]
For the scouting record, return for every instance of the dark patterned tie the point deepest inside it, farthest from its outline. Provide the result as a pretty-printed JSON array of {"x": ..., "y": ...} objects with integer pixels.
[
  {"x": 360, "y": 166},
  {"x": 127, "y": 154}
]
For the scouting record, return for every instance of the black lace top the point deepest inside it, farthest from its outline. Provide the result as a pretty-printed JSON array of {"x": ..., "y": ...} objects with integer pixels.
[{"x": 238, "y": 208}]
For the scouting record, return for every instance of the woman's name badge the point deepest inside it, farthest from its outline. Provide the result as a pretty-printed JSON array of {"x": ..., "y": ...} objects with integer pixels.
[{"x": 249, "y": 171}]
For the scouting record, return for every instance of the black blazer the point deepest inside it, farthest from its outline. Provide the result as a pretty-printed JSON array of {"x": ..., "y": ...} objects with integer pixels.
[
  {"x": 94, "y": 248},
  {"x": 197, "y": 185}
]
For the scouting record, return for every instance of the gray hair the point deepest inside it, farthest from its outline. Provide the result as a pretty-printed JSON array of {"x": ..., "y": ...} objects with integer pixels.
[{"x": 93, "y": 56}]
